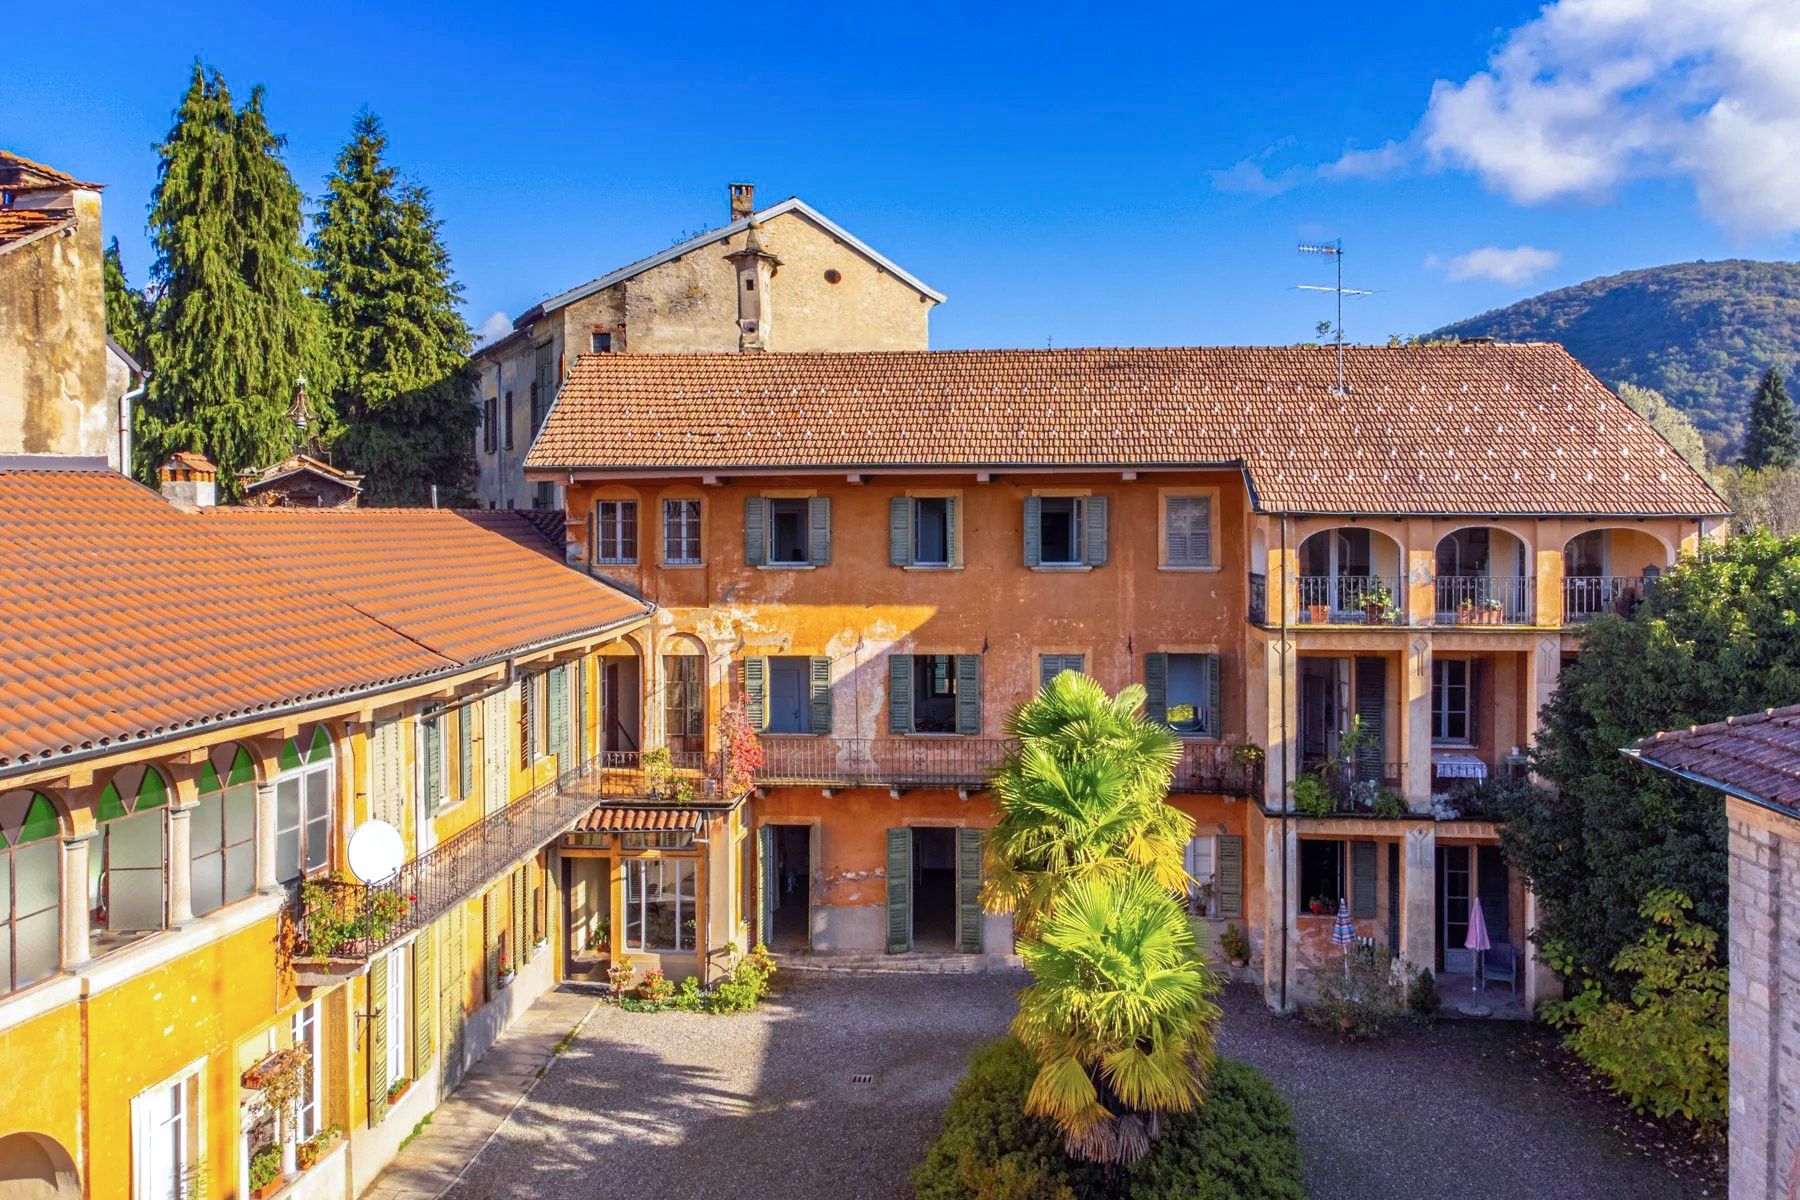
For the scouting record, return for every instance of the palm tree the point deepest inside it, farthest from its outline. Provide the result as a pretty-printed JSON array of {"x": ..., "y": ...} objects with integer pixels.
[
  {"x": 1084, "y": 797},
  {"x": 1120, "y": 1016}
]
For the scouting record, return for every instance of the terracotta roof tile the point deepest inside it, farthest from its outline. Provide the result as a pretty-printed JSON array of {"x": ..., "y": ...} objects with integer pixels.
[
  {"x": 18, "y": 171},
  {"x": 17, "y": 224},
  {"x": 1462, "y": 428},
  {"x": 606, "y": 818},
  {"x": 1756, "y": 755},
  {"x": 539, "y": 529}
]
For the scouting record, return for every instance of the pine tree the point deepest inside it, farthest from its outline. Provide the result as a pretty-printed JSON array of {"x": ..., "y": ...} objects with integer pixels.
[
  {"x": 236, "y": 329},
  {"x": 1769, "y": 437},
  {"x": 127, "y": 312},
  {"x": 406, "y": 393}
]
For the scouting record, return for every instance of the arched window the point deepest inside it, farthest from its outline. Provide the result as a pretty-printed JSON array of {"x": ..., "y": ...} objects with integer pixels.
[
  {"x": 30, "y": 890},
  {"x": 303, "y": 806},
  {"x": 128, "y": 865},
  {"x": 223, "y": 830}
]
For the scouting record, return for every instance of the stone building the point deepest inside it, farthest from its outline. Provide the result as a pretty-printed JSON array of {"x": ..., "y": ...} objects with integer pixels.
[
  {"x": 785, "y": 278},
  {"x": 301, "y": 481},
  {"x": 1755, "y": 761}
]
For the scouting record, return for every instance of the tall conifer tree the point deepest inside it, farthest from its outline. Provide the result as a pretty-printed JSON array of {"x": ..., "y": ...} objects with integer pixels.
[
  {"x": 1769, "y": 437},
  {"x": 235, "y": 330},
  {"x": 406, "y": 392}
]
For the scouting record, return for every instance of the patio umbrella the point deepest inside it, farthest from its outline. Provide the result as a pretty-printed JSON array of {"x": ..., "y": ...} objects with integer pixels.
[
  {"x": 1477, "y": 939},
  {"x": 1343, "y": 932}
]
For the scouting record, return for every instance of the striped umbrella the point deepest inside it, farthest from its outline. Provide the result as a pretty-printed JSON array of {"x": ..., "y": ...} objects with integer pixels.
[{"x": 1343, "y": 932}]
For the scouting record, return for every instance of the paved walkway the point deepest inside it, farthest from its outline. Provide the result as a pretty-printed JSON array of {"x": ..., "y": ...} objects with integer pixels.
[
  {"x": 490, "y": 1092},
  {"x": 772, "y": 1103}
]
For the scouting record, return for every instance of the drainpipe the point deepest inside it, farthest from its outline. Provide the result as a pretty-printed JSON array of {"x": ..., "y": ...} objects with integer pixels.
[
  {"x": 125, "y": 407},
  {"x": 1282, "y": 651}
]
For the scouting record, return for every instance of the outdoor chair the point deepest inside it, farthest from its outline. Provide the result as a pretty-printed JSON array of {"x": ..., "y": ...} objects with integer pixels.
[{"x": 1501, "y": 964}]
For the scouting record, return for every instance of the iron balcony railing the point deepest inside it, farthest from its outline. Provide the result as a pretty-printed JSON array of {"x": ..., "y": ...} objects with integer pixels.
[
  {"x": 1484, "y": 599},
  {"x": 1220, "y": 769},
  {"x": 1588, "y": 596},
  {"x": 671, "y": 777},
  {"x": 1349, "y": 600},
  {"x": 1355, "y": 786},
  {"x": 930, "y": 761},
  {"x": 1258, "y": 608}
]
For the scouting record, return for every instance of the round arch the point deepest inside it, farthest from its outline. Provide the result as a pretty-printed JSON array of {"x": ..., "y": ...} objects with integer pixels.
[
  {"x": 32, "y": 814},
  {"x": 1485, "y": 574},
  {"x": 1622, "y": 537},
  {"x": 34, "y": 1166},
  {"x": 679, "y": 642}
]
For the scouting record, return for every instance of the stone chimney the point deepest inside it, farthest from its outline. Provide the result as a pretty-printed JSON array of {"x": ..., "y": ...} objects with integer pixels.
[
  {"x": 189, "y": 480},
  {"x": 756, "y": 268},
  {"x": 743, "y": 200}
]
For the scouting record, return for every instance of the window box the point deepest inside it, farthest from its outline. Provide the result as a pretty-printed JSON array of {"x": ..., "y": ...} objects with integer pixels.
[{"x": 398, "y": 1089}]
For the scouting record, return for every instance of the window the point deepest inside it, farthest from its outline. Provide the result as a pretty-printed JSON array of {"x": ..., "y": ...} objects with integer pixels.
[
  {"x": 307, "y": 1033},
  {"x": 931, "y": 531},
  {"x": 543, "y": 495},
  {"x": 615, "y": 524},
  {"x": 222, "y": 832},
  {"x": 660, "y": 904},
  {"x": 1059, "y": 534},
  {"x": 660, "y": 839},
  {"x": 532, "y": 734},
  {"x": 684, "y": 707},
  {"x": 1052, "y": 665},
  {"x": 509, "y": 424},
  {"x": 1203, "y": 893},
  {"x": 787, "y": 532},
  {"x": 398, "y": 1013},
  {"x": 1182, "y": 691},
  {"x": 490, "y": 425},
  {"x": 543, "y": 385},
  {"x": 934, "y": 693},
  {"x": 165, "y": 1138},
  {"x": 1187, "y": 531},
  {"x": 127, "y": 876},
  {"x": 1321, "y": 873},
  {"x": 303, "y": 808},
  {"x": 788, "y": 695},
  {"x": 433, "y": 778},
  {"x": 1450, "y": 716},
  {"x": 30, "y": 889},
  {"x": 602, "y": 343},
  {"x": 681, "y": 532}
]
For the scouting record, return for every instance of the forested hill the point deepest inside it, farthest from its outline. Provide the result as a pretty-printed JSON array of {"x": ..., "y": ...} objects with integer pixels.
[{"x": 1700, "y": 333}]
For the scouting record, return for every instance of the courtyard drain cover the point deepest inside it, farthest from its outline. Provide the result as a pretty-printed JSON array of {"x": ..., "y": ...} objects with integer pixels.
[{"x": 862, "y": 1079}]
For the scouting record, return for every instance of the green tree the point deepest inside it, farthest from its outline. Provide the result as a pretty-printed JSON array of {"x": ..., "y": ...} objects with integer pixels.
[
  {"x": 127, "y": 312},
  {"x": 1667, "y": 420},
  {"x": 1769, "y": 437},
  {"x": 1768, "y": 499},
  {"x": 236, "y": 328},
  {"x": 1714, "y": 638},
  {"x": 1083, "y": 797},
  {"x": 1120, "y": 1016},
  {"x": 406, "y": 393}
]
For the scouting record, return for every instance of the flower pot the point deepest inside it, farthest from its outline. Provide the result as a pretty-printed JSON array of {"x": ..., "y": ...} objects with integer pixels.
[
  {"x": 1372, "y": 613},
  {"x": 1318, "y": 614},
  {"x": 1240, "y": 962}
]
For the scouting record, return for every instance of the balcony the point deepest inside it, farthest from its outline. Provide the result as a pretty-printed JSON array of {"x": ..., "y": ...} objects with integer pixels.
[
  {"x": 1349, "y": 600},
  {"x": 668, "y": 777},
  {"x": 1364, "y": 788},
  {"x": 1226, "y": 770},
  {"x": 1485, "y": 599},
  {"x": 928, "y": 761},
  {"x": 1588, "y": 596}
]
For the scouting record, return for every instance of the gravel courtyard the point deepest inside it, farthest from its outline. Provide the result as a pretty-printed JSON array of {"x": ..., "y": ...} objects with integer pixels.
[{"x": 767, "y": 1104}]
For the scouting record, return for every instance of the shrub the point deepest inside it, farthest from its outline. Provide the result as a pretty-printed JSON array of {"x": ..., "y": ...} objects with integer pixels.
[
  {"x": 655, "y": 986},
  {"x": 1238, "y": 1145},
  {"x": 1388, "y": 804},
  {"x": 1235, "y": 945},
  {"x": 1312, "y": 798},
  {"x": 1362, "y": 1001},
  {"x": 1422, "y": 994}
]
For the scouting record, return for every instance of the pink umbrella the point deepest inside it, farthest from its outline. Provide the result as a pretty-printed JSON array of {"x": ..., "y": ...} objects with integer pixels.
[{"x": 1477, "y": 939}]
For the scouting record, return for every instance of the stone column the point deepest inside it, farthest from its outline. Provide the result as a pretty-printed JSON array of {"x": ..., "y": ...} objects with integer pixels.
[
  {"x": 1543, "y": 667},
  {"x": 1539, "y": 981},
  {"x": 265, "y": 836},
  {"x": 1415, "y": 723},
  {"x": 75, "y": 948},
  {"x": 1418, "y": 897},
  {"x": 1279, "y": 907},
  {"x": 181, "y": 863}
]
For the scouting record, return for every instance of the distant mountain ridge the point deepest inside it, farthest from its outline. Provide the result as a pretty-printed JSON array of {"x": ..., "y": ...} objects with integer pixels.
[{"x": 1700, "y": 333}]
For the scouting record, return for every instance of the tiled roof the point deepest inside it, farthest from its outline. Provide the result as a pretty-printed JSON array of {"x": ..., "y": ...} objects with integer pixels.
[
  {"x": 527, "y": 526},
  {"x": 122, "y": 618},
  {"x": 18, "y": 171},
  {"x": 1455, "y": 428},
  {"x": 292, "y": 464},
  {"x": 17, "y": 224},
  {"x": 606, "y": 818},
  {"x": 438, "y": 577},
  {"x": 1755, "y": 756}
]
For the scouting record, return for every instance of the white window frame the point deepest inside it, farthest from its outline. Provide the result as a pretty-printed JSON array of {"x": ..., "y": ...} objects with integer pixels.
[
  {"x": 186, "y": 1126},
  {"x": 617, "y": 554},
  {"x": 1203, "y": 856},
  {"x": 309, "y": 1031},
  {"x": 690, "y": 553},
  {"x": 215, "y": 845},
  {"x": 1442, "y": 710},
  {"x": 637, "y": 868},
  {"x": 298, "y": 776},
  {"x": 398, "y": 1011}
]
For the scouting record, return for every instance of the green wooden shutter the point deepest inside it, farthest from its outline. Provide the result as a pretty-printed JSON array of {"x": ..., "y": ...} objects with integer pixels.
[
  {"x": 434, "y": 760},
  {"x": 899, "y": 891},
  {"x": 756, "y": 530},
  {"x": 1094, "y": 520},
  {"x": 765, "y": 889},
  {"x": 527, "y": 935},
  {"x": 1215, "y": 711},
  {"x": 1049, "y": 667},
  {"x": 968, "y": 891},
  {"x": 821, "y": 694},
  {"x": 465, "y": 748},
  {"x": 1229, "y": 873},
  {"x": 451, "y": 984},
  {"x": 1034, "y": 527},
  {"x": 422, "y": 978},
  {"x": 953, "y": 530},
  {"x": 756, "y": 690},
  {"x": 900, "y": 693},
  {"x": 1371, "y": 709},
  {"x": 818, "y": 513},
  {"x": 520, "y": 932},
  {"x": 1156, "y": 687},
  {"x": 490, "y": 941},
  {"x": 378, "y": 1041},
  {"x": 900, "y": 531},
  {"x": 559, "y": 716},
  {"x": 1362, "y": 879},
  {"x": 968, "y": 694}
]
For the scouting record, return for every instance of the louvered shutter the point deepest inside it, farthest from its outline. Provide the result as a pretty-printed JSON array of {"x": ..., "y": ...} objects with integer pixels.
[
  {"x": 451, "y": 989},
  {"x": 1034, "y": 531},
  {"x": 968, "y": 694},
  {"x": 1156, "y": 687},
  {"x": 378, "y": 1041},
  {"x": 1215, "y": 709},
  {"x": 1362, "y": 879},
  {"x": 968, "y": 891},
  {"x": 1491, "y": 886},
  {"x": 1094, "y": 518},
  {"x": 386, "y": 768},
  {"x": 765, "y": 889},
  {"x": 490, "y": 941},
  {"x": 818, "y": 513},
  {"x": 899, "y": 891},
  {"x": 821, "y": 694},
  {"x": 1371, "y": 711},
  {"x": 1176, "y": 546},
  {"x": 434, "y": 760},
  {"x": 1393, "y": 896},
  {"x": 756, "y": 531},
  {"x": 422, "y": 977},
  {"x": 465, "y": 751},
  {"x": 528, "y": 931},
  {"x": 900, "y": 693},
  {"x": 520, "y": 922},
  {"x": 953, "y": 530},
  {"x": 756, "y": 690},
  {"x": 559, "y": 716},
  {"x": 900, "y": 531},
  {"x": 1200, "y": 530},
  {"x": 1049, "y": 665},
  {"x": 1230, "y": 876}
]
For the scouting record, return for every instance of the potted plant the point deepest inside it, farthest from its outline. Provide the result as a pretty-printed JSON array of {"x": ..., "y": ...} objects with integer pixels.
[
  {"x": 618, "y": 976},
  {"x": 503, "y": 970},
  {"x": 1388, "y": 804},
  {"x": 1492, "y": 612},
  {"x": 313, "y": 1148},
  {"x": 1312, "y": 797},
  {"x": 1318, "y": 614},
  {"x": 740, "y": 747},
  {"x": 1319, "y": 906},
  {"x": 265, "y": 1171},
  {"x": 655, "y": 986},
  {"x": 1465, "y": 613},
  {"x": 397, "y": 1089},
  {"x": 1236, "y": 946},
  {"x": 1376, "y": 601}
]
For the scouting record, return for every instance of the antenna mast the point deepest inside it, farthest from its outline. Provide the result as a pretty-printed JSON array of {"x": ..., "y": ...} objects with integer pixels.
[{"x": 1334, "y": 250}]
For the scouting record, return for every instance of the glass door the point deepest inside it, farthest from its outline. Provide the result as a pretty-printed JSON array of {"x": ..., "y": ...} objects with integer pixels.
[{"x": 1453, "y": 910}]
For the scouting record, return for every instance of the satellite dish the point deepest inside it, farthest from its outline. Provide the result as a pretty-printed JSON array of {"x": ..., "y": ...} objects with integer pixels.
[{"x": 376, "y": 852}]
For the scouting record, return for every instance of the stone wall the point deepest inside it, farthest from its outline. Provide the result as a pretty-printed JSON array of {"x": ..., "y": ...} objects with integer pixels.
[{"x": 1765, "y": 1003}]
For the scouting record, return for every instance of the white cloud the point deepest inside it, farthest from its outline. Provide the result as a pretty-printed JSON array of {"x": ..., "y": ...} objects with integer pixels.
[
  {"x": 1249, "y": 176},
  {"x": 497, "y": 326},
  {"x": 1497, "y": 264},
  {"x": 1384, "y": 160},
  {"x": 1592, "y": 94}
]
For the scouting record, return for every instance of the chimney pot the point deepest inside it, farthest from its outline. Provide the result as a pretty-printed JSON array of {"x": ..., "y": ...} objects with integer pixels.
[
  {"x": 743, "y": 200},
  {"x": 189, "y": 480}
]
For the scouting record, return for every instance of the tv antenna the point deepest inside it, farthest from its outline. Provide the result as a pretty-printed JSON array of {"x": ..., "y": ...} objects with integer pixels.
[{"x": 1334, "y": 250}]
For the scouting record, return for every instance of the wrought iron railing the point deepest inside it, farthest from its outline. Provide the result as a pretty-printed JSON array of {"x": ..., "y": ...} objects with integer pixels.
[
  {"x": 1258, "y": 607},
  {"x": 1485, "y": 599},
  {"x": 929, "y": 761},
  {"x": 1349, "y": 600},
  {"x": 1588, "y": 596},
  {"x": 670, "y": 777},
  {"x": 1226, "y": 770},
  {"x": 1357, "y": 788}
]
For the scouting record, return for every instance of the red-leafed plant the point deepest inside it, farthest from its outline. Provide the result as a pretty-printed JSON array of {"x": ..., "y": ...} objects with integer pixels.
[{"x": 741, "y": 747}]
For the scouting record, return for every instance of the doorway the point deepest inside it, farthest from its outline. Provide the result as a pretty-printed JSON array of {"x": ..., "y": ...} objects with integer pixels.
[
  {"x": 1454, "y": 880},
  {"x": 789, "y": 886},
  {"x": 934, "y": 889},
  {"x": 620, "y": 694},
  {"x": 587, "y": 898}
]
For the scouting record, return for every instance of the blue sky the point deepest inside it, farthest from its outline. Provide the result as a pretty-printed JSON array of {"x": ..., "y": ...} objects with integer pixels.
[{"x": 1083, "y": 176}]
